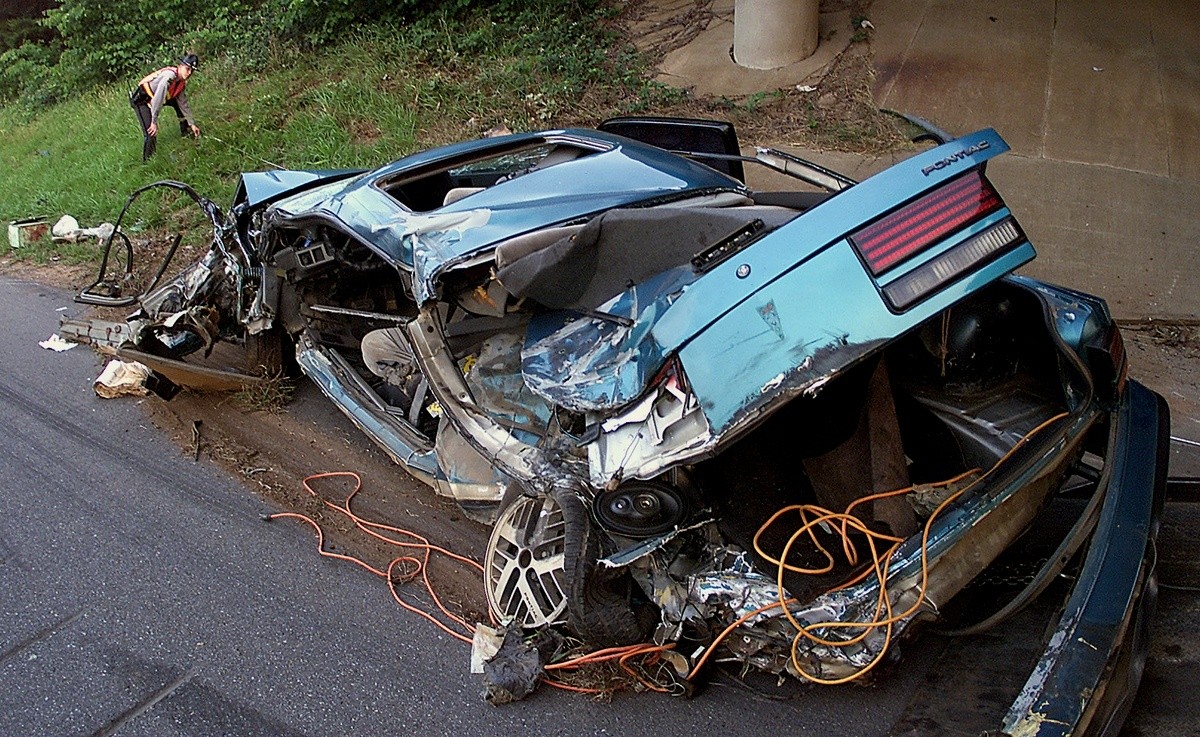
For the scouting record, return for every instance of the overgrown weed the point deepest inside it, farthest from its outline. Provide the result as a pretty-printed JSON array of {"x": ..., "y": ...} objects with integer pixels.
[{"x": 271, "y": 394}]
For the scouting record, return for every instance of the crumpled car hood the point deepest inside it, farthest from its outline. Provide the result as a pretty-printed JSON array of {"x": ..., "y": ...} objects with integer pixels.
[{"x": 258, "y": 187}]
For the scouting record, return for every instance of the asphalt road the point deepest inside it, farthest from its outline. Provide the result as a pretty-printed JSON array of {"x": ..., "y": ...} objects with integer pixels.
[{"x": 141, "y": 594}]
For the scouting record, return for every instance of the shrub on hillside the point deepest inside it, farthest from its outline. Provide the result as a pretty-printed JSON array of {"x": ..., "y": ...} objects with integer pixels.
[{"x": 101, "y": 41}]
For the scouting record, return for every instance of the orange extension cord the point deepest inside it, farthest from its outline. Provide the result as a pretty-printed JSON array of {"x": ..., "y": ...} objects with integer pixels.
[
  {"x": 810, "y": 517},
  {"x": 883, "y": 615},
  {"x": 458, "y": 628}
]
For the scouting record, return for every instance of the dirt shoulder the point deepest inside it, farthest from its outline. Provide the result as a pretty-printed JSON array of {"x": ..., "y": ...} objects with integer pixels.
[{"x": 273, "y": 452}]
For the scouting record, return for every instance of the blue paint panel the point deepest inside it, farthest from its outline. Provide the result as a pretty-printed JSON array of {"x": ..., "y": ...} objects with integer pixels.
[
  {"x": 264, "y": 185},
  {"x": 589, "y": 363},
  {"x": 1078, "y": 317},
  {"x": 626, "y": 173},
  {"x": 798, "y": 303},
  {"x": 825, "y": 224},
  {"x": 1099, "y": 617},
  {"x": 804, "y": 326},
  {"x": 482, "y": 148}
]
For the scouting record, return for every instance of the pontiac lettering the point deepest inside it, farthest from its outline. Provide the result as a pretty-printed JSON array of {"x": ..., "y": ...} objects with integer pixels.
[{"x": 956, "y": 156}]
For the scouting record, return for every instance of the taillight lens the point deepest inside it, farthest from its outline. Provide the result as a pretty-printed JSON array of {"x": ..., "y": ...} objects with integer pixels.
[
  {"x": 1116, "y": 349},
  {"x": 671, "y": 377},
  {"x": 948, "y": 266},
  {"x": 922, "y": 223}
]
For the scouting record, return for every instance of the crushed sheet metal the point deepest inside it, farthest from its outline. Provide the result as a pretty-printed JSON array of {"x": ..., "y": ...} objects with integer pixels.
[
  {"x": 641, "y": 550},
  {"x": 639, "y": 413},
  {"x": 122, "y": 378},
  {"x": 773, "y": 384},
  {"x": 200, "y": 378},
  {"x": 743, "y": 592},
  {"x": 101, "y": 333},
  {"x": 56, "y": 343},
  {"x": 926, "y": 498}
]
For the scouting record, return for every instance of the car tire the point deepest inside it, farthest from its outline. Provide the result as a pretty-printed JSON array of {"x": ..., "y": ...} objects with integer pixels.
[
  {"x": 524, "y": 562},
  {"x": 595, "y": 603},
  {"x": 264, "y": 353},
  {"x": 599, "y": 600}
]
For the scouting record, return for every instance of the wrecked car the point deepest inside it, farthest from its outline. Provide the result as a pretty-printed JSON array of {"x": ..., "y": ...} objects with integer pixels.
[{"x": 688, "y": 408}]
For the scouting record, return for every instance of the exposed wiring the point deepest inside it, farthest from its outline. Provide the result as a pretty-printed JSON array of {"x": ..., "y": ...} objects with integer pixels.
[
  {"x": 731, "y": 679},
  {"x": 1178, "y": 587},
  {"x": 643, "y": 672},
  {"x": 414, "y": 565},
  {"x": 623, "y": 656},
  {"x": 883, "y": 616},
  {"x": 712, "y": 648}
]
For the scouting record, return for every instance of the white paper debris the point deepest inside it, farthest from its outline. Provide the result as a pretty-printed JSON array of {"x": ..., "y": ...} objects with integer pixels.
[
  {"x": 64, "y": 227},
  {"x": 484, "y": 646},
  {"x": 805, "y": 88},
  {"x": 56, "y": 343},
  {"x": 122, "y": 378},
  {"x": 67, "y": 230}
]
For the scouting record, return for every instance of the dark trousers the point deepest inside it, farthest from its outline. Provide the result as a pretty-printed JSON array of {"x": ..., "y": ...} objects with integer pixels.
[{"x": 140, "y": 102}]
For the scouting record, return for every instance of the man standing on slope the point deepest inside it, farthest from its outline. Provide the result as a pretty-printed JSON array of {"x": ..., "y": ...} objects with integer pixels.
[{"x": 164, "y": 87}]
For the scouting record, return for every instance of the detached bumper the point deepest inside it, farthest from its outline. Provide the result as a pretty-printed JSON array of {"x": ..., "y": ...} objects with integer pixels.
[{"x": 1086, "y": 679}]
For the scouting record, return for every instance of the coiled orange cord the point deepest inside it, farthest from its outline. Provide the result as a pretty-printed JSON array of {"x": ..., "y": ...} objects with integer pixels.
[
  {"x": 418, "y": 566},
  {"x": 882, "y": 616},
  {"x": 415, "y": 565}
]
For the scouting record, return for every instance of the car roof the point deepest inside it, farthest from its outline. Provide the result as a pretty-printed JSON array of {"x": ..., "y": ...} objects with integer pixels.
[{"x": 617, "y": 172}]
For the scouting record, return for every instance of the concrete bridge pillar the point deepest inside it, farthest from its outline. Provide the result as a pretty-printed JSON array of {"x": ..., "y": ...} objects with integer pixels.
[{"x": 768, "y": 34}]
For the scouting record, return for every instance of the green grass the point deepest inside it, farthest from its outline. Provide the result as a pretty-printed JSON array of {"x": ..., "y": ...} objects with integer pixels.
[
  {"x": 84, "y": 156},
  {"x": 379, "y": 95}
]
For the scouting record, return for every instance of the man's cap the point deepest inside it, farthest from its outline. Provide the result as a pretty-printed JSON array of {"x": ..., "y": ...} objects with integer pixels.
[{"x": 191, "y": 60}]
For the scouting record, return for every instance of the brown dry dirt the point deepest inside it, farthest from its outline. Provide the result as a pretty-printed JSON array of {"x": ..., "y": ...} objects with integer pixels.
[
  {"x": 273, "y": 452},
  {"x": 839, "y": 114},
  {"x": 1165, "y": 356}
]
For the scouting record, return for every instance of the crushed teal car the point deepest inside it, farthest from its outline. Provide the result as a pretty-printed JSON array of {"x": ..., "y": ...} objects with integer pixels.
[{"x": 783, "y": 429}]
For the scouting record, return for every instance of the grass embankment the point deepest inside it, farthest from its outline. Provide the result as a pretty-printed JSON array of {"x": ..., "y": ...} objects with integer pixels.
[{"x": 375, "y": 97}]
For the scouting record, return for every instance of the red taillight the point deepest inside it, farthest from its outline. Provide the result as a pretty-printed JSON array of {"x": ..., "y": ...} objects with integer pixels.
[
  {"x": 1105, "y": 355},
  {"x": 920, "y": 224}
]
